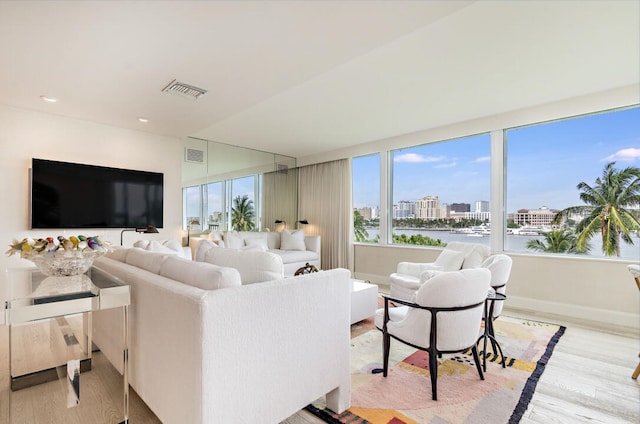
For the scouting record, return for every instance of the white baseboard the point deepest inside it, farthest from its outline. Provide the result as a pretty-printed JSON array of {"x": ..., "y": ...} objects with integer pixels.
[{"x": 592, "y": 317}]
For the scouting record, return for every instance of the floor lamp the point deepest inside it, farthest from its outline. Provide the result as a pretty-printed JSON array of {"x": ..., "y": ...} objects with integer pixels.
[{"x": 148, "y": 230}]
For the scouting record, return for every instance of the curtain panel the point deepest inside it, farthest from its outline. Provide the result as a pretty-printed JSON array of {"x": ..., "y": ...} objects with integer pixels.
[
  {"x": 324, "y": 199},
  {"x": 279, "y": 199}
]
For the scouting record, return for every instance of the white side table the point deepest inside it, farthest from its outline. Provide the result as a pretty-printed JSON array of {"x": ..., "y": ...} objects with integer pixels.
[{"x": 364, "y": 300}]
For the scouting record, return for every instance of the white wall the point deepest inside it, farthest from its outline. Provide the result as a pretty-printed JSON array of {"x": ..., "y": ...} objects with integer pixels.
[{"x": 26, "y": 134}]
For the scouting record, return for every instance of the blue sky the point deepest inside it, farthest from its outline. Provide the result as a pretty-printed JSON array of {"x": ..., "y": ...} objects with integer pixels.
[{"x": 544, "y": 163}]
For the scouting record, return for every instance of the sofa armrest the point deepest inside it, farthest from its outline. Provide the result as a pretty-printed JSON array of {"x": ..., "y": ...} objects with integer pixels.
[
  {"x": 287, "y": 349},
  {"x": 312, "y": 243}
]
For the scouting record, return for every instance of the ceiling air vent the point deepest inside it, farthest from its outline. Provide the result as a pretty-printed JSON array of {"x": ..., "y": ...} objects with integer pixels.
[
  {"x": 193, "y": 155},
  {"x": 183, "y": 89}
]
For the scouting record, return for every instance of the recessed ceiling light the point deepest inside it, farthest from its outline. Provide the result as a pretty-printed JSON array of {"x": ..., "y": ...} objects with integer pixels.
[
  {"x": 143, "y": 120},
  {"x": 49, "y": 99}
]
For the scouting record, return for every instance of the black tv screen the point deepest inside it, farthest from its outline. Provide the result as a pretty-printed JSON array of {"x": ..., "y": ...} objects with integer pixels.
[{"x": 71, "y": 195}]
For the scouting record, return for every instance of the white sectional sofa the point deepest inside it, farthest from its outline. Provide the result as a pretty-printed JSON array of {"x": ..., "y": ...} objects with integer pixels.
[
  {"x": 294, "y": 247},
  {"x": 206, "y": 349}
]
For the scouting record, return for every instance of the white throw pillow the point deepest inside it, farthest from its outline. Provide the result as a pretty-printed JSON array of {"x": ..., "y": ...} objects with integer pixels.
[
  {"x": 142, "y": 244},
  {"x": 173, "y": 245},
  {"x": 233, "y": 240},
  {"x": 202, "y": 248},
  {"x": 255, "y": 244},
  {"x": 292, "y": 240},
  {"x": 154, "y": 246},
  {"x": 450, "y": 260}
]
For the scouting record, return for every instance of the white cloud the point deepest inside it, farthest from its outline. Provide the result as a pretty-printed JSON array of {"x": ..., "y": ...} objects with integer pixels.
[
  {"x": 482, "y": 159},
  {"x": 624, "y": 155},
  {"x": 417, "y": 158},
  {"x": 446, "y": 165}
]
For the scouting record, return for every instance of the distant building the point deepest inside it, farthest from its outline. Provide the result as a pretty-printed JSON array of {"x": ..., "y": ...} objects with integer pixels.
[
  {"x": 445, "y": 210},
  {"x": 404, "y": 209},
  {"x": 482, "y": 206},
  {"x": 482, "y": 216},
  {"x": 375, "y": 212},
  {"x": 535, "y": 217},
  {"x": 460, "y": 207},
  {"x": 428, "y": 208},
  {"x": 365, "y": 212}
]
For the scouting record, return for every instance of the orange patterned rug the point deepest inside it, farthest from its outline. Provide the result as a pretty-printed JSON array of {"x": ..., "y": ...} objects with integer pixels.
[{"x": 405, "y": 395}]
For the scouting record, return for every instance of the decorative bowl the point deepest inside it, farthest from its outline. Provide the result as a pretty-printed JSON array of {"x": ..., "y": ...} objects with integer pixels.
[{"x": 64, "y": 265}]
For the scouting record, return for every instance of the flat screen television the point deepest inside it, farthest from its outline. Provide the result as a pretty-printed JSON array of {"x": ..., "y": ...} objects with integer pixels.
[{"x": 72, "y": 195}]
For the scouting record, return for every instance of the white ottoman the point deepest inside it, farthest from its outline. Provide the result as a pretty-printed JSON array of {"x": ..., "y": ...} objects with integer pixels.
[{"x": 364, "y": 300}]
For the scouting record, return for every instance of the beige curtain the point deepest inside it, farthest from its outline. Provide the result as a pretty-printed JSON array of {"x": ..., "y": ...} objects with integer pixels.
[
  {"x": 279, "y": 199},
  {"x": 324, "y": 199}
]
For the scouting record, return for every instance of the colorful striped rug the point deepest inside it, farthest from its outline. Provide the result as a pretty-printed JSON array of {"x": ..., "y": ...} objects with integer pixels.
[{"x": 404, "y": 397}]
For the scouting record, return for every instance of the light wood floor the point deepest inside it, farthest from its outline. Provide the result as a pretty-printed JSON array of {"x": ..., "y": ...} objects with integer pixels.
[{"x": 588, "y": 379}]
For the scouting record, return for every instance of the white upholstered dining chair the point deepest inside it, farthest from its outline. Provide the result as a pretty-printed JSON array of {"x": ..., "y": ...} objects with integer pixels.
[{"x": 444, "y": 317}]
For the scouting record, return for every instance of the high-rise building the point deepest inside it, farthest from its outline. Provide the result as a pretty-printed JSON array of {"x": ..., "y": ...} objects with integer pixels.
[
  {"x": 365, "y": 212},
  {"x": 428, "y": 208},
  {"x": 404, "y": 209},
  {"x": 482, "y": 206}
]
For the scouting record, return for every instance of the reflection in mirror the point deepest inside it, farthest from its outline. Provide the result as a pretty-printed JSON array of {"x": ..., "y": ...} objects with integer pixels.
[
  {"x": 215, "y": 174},
  {"x": 280, "y": 199}
]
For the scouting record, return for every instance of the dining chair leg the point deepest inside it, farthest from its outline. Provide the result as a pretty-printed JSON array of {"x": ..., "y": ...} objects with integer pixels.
[
  {"x": 386, "y": 346},
  {"x": 476, "y": 359},
  {"x": 433, "y": 373}
]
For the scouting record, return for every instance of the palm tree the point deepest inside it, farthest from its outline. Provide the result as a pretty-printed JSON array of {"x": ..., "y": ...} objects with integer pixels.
[
  {"x": 608, "y": 205},
  {"x": 557, "y": 241},
  {"x": 242, "y": 214},
  {"x": 360, "y": 232}
]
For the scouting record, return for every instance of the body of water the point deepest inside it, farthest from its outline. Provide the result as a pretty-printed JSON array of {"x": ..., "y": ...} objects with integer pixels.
[{"x": 514, "y": 243}]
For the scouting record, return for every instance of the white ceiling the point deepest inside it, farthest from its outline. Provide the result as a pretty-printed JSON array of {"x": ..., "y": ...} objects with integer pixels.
[{"x": 305, "y": 77}]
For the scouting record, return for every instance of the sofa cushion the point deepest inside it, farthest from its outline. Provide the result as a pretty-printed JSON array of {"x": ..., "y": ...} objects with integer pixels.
[
  {"x": 273, "y": 240},
  {"x": 292, "y": 240},
  {"x": 450, "y": 260},
  {"x": 150, "y": 261},
  {"x": 169, "y": 246},
  {"x": 257, "y": 244},
  {"x": 203, "y": 247},
  {"x": 155, "y": 246},
  {"x": 199, "y": 274},
  {"x": 233, "y": 240},
  {"x": 291, "y": 256},
  {"x": 253, "y": 266}
]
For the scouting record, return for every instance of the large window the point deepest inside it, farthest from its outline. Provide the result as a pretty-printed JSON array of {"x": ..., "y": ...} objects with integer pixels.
[
  {"x": 211, "y": 206},
  {"x": 366, "y": 198},
  {"x": 555, "y": 166},
  {"x": 192, "y": 204},
  {"x": 242, "y": 206},
  {"x": 441, "y": 192},
  {"x": 215, "y": 216}
]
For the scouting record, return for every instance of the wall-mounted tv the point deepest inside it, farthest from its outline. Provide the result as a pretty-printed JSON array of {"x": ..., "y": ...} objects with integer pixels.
[{"x": 72, "y": 195}]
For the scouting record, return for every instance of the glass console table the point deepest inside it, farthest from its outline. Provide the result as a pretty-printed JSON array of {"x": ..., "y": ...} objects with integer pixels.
[{"x": 50, "y": 331}]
